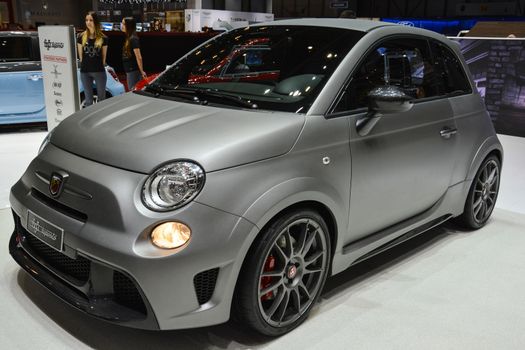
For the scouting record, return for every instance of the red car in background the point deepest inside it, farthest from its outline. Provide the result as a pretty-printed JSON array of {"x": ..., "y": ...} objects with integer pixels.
[{"x": 251, "y": 61}]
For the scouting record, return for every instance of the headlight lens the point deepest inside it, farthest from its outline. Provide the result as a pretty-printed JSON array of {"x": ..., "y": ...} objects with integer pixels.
[
  {"x": 47, "y": 139},
  {"x": 172, "y": 186}
]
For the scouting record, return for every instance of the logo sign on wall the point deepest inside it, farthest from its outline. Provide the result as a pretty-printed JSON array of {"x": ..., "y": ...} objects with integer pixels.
[
  {"x": 339, "y": 4},
  {"x": 59, "y": 68}
]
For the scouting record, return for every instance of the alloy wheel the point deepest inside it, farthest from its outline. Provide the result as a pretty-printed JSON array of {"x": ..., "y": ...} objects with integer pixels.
[
  {"x": 293, "y": 272},
  {"x": 485, "y": 191}
]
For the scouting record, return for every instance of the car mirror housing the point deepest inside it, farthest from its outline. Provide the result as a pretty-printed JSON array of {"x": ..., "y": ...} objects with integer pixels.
[
  {"x": 388, "y": 99},
  {"x": 382, "y": 101}
]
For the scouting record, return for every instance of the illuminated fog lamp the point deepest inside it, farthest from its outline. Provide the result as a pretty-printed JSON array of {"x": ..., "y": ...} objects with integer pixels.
[{"x": 171, "y": 235}]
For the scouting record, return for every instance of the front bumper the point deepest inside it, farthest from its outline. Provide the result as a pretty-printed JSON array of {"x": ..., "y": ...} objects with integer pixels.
[
  {"x": 117, "y": 300},
  {"x": 106, "y": 228}
]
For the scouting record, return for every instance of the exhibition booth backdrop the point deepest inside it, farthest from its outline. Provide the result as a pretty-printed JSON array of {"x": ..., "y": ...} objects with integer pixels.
[{"x": 498, "y": 69}]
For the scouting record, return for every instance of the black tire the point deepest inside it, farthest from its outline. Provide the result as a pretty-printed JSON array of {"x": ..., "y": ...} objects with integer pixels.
[
  {"x": 298, "y": 242},
  {"x": 482, "y": 195}
]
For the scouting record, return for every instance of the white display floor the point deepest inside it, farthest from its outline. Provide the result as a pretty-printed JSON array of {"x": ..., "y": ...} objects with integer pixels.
[{"x": 446, "y": 289}]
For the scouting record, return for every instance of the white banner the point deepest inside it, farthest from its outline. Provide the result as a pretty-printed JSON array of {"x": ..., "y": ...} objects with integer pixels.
[
  {"x": 59, "y": 68},
  {"x": 194, "y": 20}
]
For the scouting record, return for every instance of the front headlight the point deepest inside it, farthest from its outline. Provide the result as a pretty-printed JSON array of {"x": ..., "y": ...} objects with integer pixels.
[{"x": 172, "y": 186}]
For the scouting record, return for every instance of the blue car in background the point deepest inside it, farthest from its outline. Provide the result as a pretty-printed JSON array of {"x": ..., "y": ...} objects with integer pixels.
[{"x": 21, "y": 85}]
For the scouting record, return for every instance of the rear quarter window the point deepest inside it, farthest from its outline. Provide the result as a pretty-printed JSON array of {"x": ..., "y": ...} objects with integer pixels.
[{"x": 448, "y": 66}]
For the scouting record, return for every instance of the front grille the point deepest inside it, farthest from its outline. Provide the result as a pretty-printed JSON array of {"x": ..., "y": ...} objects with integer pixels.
[
  {"x": 204, "y": 283},
  {"x": 78, "y": 268},
  {"x": 126, "y": 293}
]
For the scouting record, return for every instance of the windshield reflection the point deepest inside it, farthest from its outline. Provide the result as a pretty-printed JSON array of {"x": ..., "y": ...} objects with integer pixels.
[{"x": 280, "y": 68}]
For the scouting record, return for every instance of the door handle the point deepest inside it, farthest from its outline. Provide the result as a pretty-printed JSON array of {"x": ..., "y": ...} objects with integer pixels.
[
  {"x": 34, "y": 77},
  {"x": 447, "y": 132}
]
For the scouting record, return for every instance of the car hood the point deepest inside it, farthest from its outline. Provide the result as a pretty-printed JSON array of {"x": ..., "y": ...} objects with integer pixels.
[{"x": 139, "y": 133}]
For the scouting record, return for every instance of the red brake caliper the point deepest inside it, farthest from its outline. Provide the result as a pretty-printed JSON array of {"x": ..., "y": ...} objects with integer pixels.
[{"x": 269, "y": 265}]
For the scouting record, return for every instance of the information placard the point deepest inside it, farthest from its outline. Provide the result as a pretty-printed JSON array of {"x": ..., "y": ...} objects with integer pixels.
[{"x": 59, "y": 68}]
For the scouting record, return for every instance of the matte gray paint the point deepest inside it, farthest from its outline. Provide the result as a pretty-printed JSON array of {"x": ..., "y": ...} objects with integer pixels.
[
  {"x": 159, "y": 130},
  {"x": 258, "y": 163}
]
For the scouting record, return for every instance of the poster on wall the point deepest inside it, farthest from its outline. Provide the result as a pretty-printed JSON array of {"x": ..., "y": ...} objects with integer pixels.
[
  {"x": 498, "y": 69},
  {"x": 59, "y": 69}
]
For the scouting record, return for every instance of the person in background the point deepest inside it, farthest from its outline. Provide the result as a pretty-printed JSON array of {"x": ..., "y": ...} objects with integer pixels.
[
  {"x": 157, "y": 25},
  {"x": 347, "y": 14},
  {"x": 92, "y": 47},
  {"x": 131, "y": 56}
]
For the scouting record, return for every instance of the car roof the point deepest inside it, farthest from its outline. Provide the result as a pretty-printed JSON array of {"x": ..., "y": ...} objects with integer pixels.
[
  {"x": 18, "y": 33},
  {"x": 361, "y": 25}
]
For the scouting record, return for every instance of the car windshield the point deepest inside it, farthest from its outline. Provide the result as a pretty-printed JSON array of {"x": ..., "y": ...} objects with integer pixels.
[{"x": 281, "y": 68}]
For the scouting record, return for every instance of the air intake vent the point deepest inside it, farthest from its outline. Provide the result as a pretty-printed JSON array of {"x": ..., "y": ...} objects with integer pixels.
[
  {"x": 205, "y": 284},
  {"x": 78, "y": 268},
  {"x": 126, "y": 293}
]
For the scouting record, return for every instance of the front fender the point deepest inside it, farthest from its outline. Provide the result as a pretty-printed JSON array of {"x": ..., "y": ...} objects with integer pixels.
[
  {"x": 259, "y": 191},
  {"x": 293, "y": 192}
]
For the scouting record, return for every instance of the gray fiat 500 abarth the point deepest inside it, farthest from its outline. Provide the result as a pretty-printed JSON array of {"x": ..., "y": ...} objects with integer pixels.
[{"x": 263, "y": 161}]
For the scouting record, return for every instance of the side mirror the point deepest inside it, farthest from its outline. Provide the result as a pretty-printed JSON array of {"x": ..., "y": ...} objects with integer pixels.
[
  {"x": 383, "y": 100},
  {"x": 388, "y": 99}
]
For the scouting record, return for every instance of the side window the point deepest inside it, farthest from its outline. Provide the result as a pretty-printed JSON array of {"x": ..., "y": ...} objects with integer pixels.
[
  {"x": 448, "y": 67},
  {"x": 13, "y": 49},
  {"x": 405, "y": 63}
]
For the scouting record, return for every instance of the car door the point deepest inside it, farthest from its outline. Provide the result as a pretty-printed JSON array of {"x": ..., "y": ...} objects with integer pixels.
[
  {"x": 21, "y": 87},
  {"x": 404, "y": 165}
]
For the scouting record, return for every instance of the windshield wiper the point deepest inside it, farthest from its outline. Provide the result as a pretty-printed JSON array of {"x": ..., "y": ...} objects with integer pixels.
[
  {"x": 163, "y": 90},
  {"x": 200, "y": 95}
]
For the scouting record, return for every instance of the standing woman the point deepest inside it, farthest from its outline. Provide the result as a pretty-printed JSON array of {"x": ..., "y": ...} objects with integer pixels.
[
  {"x": 92, "y": 47},
  {"x": 131, "y": 57}
]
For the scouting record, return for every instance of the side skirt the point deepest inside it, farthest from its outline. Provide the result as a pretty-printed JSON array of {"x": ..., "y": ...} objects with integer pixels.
[
  {"x": 410, "y": 234},
  {"x": 378, "y": 242}
]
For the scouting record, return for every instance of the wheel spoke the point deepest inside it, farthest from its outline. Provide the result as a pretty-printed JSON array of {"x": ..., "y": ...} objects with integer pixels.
[
  {"x": 309, "y": 271},
  {"x": 492, "y": 177},
  {"x": 313, "y": 258},
  {"x": 485, "y": 210},
  {"x": 477, "y": 205},
  {"x": 302, "y": 238},
  {"x": 275, "y": 305},
  {"x": 485, "y": 174},
  {"x": 288, "y": 243},
  {"x": 270, "y": 288},
  {"x": 308, "y": 243},
  {"x": 296, "y": 296},
  {"x": 481, "y": 212},
  {"x": 285, "y": 302},
  {"x": 272, "y": 273},
  {"x": 282, "y": 253},
  {"x": 305, "y": 290}
]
